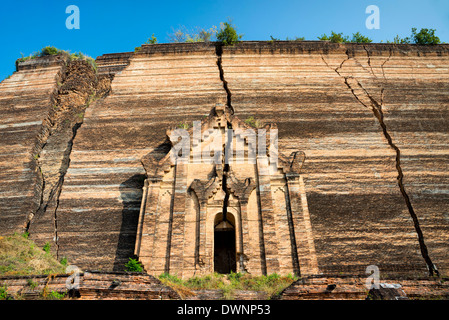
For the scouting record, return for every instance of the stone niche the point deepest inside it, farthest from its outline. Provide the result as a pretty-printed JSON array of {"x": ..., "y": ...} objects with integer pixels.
[{"x": 232, "y": 204}]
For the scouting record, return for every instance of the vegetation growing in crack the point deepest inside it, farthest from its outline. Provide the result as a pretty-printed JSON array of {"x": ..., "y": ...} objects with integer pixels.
[
  {"x": 228, "y": 35},
  {"x": 47, "y": 247}
]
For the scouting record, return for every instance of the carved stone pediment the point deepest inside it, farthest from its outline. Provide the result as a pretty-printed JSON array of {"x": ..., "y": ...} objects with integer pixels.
[
  {"x": 292, "y": 165},
  {"x": 241, "y": 189},
  {"x": 205, "y": 189}
]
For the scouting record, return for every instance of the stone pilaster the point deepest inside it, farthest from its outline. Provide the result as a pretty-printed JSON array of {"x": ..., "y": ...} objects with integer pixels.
[
  {"x": 267, "y": 216},
  {"x": 204, "y": 190},
  {"x": 144, "y": 245},
  {"x": 141, "y": 219},
  {"x": 176, "y": 245},
  {"x": 161, "y": 231},
  {"x": 302, "y": 226}
]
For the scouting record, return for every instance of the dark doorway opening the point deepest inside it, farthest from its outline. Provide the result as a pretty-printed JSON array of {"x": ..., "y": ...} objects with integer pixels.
[{"x": 224, "y": 246}]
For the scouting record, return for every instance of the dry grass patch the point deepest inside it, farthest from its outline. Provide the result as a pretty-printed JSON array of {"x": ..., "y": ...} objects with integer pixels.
[
  {"x": 227, "y": 283},
  {"x": 21, "y": 256}
]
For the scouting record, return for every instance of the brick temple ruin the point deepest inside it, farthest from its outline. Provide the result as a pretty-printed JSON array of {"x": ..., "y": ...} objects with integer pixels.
[{"x": 361, "y": 179}]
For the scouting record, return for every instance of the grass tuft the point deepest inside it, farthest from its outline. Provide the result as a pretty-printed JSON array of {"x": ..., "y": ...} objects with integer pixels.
[{"x": 21, "y": 256}]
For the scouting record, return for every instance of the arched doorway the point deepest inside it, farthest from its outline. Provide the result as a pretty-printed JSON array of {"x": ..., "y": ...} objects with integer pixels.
[{"x": 224, "y": 244}]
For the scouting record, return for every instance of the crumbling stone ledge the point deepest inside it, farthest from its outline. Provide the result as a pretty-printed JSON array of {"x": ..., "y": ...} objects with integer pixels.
[
  {"x": 92, "y": 286},
  {"x": 96, "y": 285},
  {"x": 333, "y": 287}
]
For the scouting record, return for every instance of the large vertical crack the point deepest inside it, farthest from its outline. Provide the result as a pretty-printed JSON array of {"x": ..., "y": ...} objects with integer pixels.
[
  {"x": 226, "y": 169},
  {"x": 78, "y": 86},
  {"x": 377, "y": 110},
  {"x": 369, "y": 102},
  {"x": 229, "y": 141},
  {"x": 219, "y": 53}
]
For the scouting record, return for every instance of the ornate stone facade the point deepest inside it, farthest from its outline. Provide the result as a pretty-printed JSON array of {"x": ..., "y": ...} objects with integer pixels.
[
  {"x": 233, "y": 214},
  {"x": 371, "y": 118}
]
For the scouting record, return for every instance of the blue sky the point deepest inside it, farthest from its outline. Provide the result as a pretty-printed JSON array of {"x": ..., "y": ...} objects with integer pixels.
[{"x": 120, "y": 26}]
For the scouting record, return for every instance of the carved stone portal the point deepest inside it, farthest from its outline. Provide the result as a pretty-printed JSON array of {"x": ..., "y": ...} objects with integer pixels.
[{"x": 241, "y": 212}]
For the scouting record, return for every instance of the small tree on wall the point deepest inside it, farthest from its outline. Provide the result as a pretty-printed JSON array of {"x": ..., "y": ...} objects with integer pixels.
[
  {"x": 151, "y": 40},
  {"x": 359, "y": 38},
  {"x": 334, "y": 37},
  {"x": 228, "y": 34},
  {"x": 425, "y": 36}
]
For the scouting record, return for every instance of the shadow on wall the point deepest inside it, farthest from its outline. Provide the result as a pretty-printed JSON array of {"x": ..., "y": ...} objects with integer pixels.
[{"x": 131, "y": 195}]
